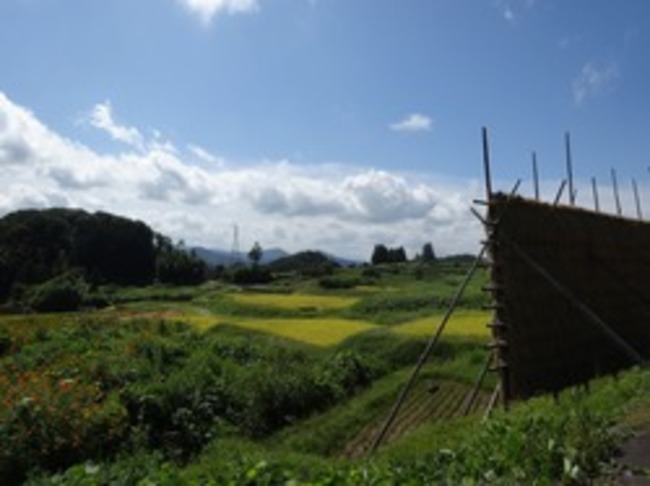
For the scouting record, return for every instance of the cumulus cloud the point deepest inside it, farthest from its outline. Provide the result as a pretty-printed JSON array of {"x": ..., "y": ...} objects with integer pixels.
[
  {"x": 102, "y": 117},
  {"x": 415, "y": 122},
  {"x": 206, "y": 10},
  {"x": 378, "y": 196},
  {"x": 170, "y": 180},
  {"x": 16, "y": 148},
  {"x": 595, "y": 80},
  {"x": 340, "y": 209}
]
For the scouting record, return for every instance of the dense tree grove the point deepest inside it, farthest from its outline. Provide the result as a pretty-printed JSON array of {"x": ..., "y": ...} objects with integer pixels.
[
  {"x": 307, "y": 263},
  {"x": 174, "y": 265},
  {"x": 113, "y": 249},
  {"x": 39, "y": 245},
  {"x": 382, "y": 254}
]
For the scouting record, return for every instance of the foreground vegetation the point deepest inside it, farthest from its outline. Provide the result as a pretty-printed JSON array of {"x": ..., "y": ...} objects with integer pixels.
[{"x": 285, "y": 383}]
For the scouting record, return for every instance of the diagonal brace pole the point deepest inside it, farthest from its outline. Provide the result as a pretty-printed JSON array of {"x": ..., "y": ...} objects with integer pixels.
[{"x": 425, "y": 354}]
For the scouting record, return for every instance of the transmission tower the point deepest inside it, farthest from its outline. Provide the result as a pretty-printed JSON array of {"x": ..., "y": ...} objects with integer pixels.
[{"x": 236, "y": 254}]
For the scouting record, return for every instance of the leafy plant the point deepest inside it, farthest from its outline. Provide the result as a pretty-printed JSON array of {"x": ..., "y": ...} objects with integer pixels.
[{"x": 50, "y": 423}]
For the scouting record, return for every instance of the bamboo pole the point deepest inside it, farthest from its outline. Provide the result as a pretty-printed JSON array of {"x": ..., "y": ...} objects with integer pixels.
[
  {"x": 569, "y": 168},
  {"x": 535, "y": 177},
  {"x": 617, "y": 199},
  {"x": 558, "y": 196},
  {"x": 639, "y": 213},
  {"x": 477, "y": 385},
  {"x": 486, "y": 165},
  {"x": 515, "y": 188},
  {"x": 493, "y": 401},
  {"x": 594, "y": 189},
  {"x": 431, "y": 344}
]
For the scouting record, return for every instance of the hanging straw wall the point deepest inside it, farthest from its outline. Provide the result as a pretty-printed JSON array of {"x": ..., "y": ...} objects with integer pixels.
[{"x": 575, "y": 298}]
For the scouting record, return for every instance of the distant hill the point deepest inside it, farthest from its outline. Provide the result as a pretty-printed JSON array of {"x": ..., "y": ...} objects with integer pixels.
[
  {"x": 344, "y": 262},
  {"x": 227, "y": 258},
  {"x": 311, "y": 263},
  {"x": 213, "y": 256}
]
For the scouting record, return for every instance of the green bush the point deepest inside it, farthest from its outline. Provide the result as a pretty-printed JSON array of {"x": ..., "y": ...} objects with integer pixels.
[
  {"x": 339, "y": 282},
  {"x": 251, "y": 276},
  {"x": 252, "y": 385},
  {"x": 50, "y": 424},
  {"x": 60, "y": 294}
]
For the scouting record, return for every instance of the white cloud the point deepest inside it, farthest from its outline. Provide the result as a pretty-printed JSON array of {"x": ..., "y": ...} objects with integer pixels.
[
  {"x": 204, "y": 156},
  {"x": 378, "y": 196},
  {"x": 595, "y": 80},
  {"x": 102, "y": 117},
  {"x": 340, "y": 209},
  {"x": 206, "y": 10},
  {"x": 512, "y": 10},
  {"x": 415, "y": 122}
]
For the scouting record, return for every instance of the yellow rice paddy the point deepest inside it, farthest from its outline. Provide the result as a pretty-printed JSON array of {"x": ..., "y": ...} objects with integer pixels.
[
  {"x": 462, "y": 323},
  {"x": 295, "y": 301},
  {"x": 319, "y": 332}
]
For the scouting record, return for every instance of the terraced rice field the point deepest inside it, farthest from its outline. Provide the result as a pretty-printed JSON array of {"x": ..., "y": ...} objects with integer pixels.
[
  {"x": 295, "y": 301},
  {"x": 317, "y": 331},
  {"x": 464, "y": 323},
  {"x": 431, "y": 400}
]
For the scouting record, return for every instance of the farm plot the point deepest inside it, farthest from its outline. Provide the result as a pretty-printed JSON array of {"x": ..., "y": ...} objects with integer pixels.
[
  {"x": 431, "y": 400},
  {"x": 317, "y": 331},
  {"x": 295, "y": 301},
  {"x": 464, "y": 323}
]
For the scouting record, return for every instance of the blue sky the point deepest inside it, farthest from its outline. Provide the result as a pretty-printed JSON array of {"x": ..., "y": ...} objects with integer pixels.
[{"x": 331, "y": 124}]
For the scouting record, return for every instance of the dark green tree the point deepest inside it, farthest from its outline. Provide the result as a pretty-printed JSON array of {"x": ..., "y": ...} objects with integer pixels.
[
  {"x": 175, "y": 265},
  {"x": 396, "y": 255},
  {"x": 428, "y": 254},
  {"x": 255, "y": 254},
  {"x": 379, "y": 255},
  {"x": 382, "y": 254},
  {"x": 39, "y": 245}
]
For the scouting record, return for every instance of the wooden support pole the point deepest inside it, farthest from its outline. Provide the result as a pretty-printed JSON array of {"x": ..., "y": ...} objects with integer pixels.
[
  {"x": 493, "y": 401},
  {"x": 479, "y": 217},
  {"x": 594, "y": 189},
  {"x": 558, "y": 196},
  {"x": 431, "y": 344},
  {"x": 639, "y": 213},
  {"x": 535, "y": 177},
  {"x": 477, "y": 385},
  {"x": 569, "y": 168},
  {"x": 486, "y": 165},
  {"x": 515, "y": 188},
  {"x": 617, "y": 199}
]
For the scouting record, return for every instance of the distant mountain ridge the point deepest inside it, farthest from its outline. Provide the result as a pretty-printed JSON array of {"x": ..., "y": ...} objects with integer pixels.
[
  {"x": 214, "y": 256},
  {"x": 227, "y": 258}
]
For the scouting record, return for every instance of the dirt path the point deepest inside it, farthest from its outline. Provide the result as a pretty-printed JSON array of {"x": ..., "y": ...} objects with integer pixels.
[{"x": 635, "y": 460}]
